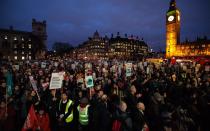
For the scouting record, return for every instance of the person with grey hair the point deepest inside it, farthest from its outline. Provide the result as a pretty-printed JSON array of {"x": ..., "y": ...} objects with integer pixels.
[
  {"x": 123, "y": 117},
  {"x": 139, "y": 119}
]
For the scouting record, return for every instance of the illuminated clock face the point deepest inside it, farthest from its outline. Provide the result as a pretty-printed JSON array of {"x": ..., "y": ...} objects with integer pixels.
[{"x": 171, "y": 18}]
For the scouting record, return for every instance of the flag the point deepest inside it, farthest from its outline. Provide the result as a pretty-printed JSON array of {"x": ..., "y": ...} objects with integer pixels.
[
  {"x": 31, "y": 121},
  {"x": 9, "y": 83}
]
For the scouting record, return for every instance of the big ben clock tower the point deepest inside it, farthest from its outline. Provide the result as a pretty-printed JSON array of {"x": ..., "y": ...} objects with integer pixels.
[{"x": 172, "y": 29}]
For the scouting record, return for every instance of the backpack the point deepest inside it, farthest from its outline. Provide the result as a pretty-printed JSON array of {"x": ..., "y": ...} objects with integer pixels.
[{"x": 116, "y": 125}]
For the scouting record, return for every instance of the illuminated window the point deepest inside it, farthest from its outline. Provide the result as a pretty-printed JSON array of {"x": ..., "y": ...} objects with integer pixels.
[
  {"x": 22, "y": 45},
  {"x": 5, "y": 37},
  {"x": 29, "y": 46},
  {"x": 22, "y": 39},
  {"x": 15, "y": 38},
  {"x": 23, "y": 52},
  {"x": 15, "y": 57},
  {"x": 23, "y": 58}
]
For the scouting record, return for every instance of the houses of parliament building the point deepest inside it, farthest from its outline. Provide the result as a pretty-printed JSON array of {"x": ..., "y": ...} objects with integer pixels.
[{"x": 199, "y": 47}]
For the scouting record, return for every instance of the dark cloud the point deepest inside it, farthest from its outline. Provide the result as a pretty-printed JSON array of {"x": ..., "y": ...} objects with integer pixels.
[{"x": 74, "y": 21}]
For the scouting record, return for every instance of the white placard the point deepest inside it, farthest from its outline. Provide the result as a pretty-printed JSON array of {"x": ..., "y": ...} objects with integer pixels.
[{"x": 56, "y": 80}]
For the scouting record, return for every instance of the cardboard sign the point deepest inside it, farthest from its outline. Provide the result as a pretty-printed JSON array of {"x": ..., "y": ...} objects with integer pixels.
[
  {"x": 89, "y": 81},
  {"x": 128, "y": 69},
  {"x": 43, "y": 65},
  {"x": 33, "y": 83},
  {"x": 56, "y": 81}
]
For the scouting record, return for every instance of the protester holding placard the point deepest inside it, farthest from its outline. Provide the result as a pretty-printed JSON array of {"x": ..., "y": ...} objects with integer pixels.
[{"x": 105, "y": 84}]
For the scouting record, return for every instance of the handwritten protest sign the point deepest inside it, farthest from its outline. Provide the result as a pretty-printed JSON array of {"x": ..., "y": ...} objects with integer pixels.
[{"x": 56, "y": 80}]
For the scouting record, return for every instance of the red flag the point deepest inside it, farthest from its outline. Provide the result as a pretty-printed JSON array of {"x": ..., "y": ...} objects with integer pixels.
[{"x": 31, "y": 120}]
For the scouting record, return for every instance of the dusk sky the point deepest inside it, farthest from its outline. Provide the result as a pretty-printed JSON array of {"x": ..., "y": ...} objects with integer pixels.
[{"x": 74, "y": 21}]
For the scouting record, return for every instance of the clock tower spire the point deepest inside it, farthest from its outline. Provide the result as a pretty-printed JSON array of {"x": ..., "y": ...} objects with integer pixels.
[{"x": 172, "y": 29}]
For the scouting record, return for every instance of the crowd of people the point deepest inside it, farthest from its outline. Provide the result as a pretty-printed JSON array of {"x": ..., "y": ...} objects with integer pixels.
[{"x": 155, "y": 97}]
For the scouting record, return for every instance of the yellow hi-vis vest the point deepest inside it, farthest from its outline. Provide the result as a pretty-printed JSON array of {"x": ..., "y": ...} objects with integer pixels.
[
  {"x": 70, "y": 117},
  {"x": 83, "y": 115}
]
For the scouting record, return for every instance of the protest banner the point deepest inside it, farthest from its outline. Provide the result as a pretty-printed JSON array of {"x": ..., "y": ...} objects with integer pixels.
[
  {"x": 33, "y": 83},
  {"x": 56, "y": 80},
  {"x": 89, "y": 81},
  {"x": 128, "y": 69}
]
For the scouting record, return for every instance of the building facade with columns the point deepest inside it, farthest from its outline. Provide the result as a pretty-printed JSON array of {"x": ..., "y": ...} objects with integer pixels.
[{"x": 118, "y": 47}]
